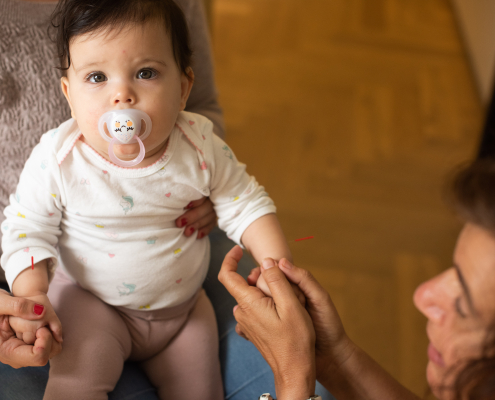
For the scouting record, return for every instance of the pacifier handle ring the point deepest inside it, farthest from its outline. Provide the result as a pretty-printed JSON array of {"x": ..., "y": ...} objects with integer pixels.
[
  {"x": 123, "y": 163},
  {"x": 101, "y": 129},
  {"x": 147, "y": 120}
]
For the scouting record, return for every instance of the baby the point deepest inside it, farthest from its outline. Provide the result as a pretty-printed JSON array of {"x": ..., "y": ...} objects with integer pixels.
[{"x": 97, "y": 220}]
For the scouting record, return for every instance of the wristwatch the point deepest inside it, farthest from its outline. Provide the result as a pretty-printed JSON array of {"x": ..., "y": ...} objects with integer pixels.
[{"x": 267, "y": 396}]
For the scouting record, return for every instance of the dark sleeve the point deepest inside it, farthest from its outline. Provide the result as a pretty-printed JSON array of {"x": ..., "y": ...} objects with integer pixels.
[{"x": 204, "y": 96}]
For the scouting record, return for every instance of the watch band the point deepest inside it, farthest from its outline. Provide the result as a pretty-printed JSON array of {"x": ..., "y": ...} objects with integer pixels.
[{"x": 267, "y": 396}]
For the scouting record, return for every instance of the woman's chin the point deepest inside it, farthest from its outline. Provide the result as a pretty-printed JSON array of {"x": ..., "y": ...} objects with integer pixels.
[{"x": 433, "y": 377}]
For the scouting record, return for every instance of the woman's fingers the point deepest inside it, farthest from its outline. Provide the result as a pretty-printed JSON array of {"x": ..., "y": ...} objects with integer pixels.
[
  {"x": 253, "y": 276},
  {"x": 239, "y": 331},
  {"x": 332, "y": 343},
  {"x": 196, "y": 203},
  {"x": 18, "y": 354},
  {"x": 235, "y": 283},
  {"x": 309, "y": 286},
  {"x": 206, "y": 229},
  {"x": 20, "y": 307},
  {"x": 44, "y": 345},
  {"x": 299, "y": 294},
  {"x": 280, "y": 288},
  {"x": 203, "y": 226},
  {"x": 200, "y": 217}
]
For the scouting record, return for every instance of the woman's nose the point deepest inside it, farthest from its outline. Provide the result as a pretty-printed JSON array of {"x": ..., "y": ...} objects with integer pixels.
[
  {"x": 124, "y": 94},
  {"x": 429, "y": 300}
]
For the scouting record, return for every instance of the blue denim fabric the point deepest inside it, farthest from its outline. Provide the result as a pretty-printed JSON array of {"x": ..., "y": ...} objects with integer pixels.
[{"x": 245, "y": 373}]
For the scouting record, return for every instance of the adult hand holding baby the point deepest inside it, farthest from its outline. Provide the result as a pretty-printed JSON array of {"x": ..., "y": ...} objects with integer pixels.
[
  {"x": 279, "y": 327},
  {"x": 25, "y": 329},
  {"x": 16, "y": 352},
  {"x": 200, "y": 217}
]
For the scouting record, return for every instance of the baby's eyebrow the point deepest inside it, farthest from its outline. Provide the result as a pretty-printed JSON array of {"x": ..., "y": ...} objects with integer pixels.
[
  {"x": 83, "y": 66},
  {"x": 465, "y": 289},
  {"x": 147, "y": 60}
]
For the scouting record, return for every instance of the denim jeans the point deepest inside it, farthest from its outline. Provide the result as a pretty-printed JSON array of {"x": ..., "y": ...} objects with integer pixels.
[{"x": 245, "y": 373}]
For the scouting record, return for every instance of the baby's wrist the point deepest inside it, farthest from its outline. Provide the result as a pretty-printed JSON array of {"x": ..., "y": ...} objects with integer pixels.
[
  {"x": 31, "y": 281},
  {"x": 28, "y": 293}
]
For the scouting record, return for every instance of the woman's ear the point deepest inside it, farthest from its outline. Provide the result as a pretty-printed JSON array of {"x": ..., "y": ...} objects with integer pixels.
[
  {"x": 186, "y": 84},
  {"x": 64, "y": 83}
]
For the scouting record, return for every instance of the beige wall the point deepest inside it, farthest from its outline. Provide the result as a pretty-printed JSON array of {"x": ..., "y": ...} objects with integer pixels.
[{"x": 477, "y": 22}]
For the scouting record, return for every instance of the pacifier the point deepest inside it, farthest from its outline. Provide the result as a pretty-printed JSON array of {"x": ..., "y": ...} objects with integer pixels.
[{"x": 124, "y": 126}]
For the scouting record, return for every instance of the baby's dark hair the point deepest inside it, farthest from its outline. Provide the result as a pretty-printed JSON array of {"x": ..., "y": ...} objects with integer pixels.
[{"x": 77, "y": 17}]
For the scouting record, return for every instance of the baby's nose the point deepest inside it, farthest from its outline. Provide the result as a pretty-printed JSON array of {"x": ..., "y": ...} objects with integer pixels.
[{"x": 124, "y": 94}]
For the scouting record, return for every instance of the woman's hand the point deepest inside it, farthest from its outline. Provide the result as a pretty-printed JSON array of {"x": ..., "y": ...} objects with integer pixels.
[
  {"x": 256, "y": 279},
  {"x": 333, "y": 346},
  {"x": 25, "y": 329},
  {"x": 200, "y": 218},
  {"x": 280, "y": 328},
  {"x": 14, "y": 351}
]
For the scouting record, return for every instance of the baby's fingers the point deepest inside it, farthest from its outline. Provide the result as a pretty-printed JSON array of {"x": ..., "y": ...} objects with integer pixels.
[
  {"x": 56, "y": 328},
  {"x": 29, "y": 337},
  {"x": 299, "y": 294},
  {"x": 253, "y": 276},
  {"x": 45, "y": 347}
]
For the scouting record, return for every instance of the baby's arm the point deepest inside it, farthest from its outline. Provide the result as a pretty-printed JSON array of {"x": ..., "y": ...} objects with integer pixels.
[
  {"x": 264, "y": 238},
  {"x": 33, "y": 285}
]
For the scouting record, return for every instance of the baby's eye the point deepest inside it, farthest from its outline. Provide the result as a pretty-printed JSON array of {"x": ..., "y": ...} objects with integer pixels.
[
  {"x": 96, "y": 77},
  {"x": 146, "y": 74}
]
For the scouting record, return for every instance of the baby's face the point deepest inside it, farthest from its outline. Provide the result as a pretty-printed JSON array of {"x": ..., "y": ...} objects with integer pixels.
[{"x": 133, "y": 68}]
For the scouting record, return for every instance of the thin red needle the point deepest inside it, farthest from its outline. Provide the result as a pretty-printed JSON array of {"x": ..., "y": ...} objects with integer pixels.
[
  {"x": 306, "y": 238},
  {"x": 32, "y": 262}
]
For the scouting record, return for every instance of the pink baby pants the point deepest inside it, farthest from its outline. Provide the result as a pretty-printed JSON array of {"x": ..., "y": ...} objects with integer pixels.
[{"x": 177, "y": 347}]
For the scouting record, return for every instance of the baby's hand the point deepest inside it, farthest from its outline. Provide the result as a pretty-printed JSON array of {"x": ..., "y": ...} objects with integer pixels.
[
  {"x": 25, "y": 330},
  {"x": 255, "y": 276}
]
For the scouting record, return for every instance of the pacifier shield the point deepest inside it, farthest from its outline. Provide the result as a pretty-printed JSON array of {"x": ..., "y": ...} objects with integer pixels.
[{"x": 123, "y": 128}]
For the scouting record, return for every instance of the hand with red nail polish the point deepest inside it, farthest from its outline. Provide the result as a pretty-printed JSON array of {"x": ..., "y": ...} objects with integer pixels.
[
  {"x": 200, "y": 217},
  {"x": 25, "y": 329},
  {"x": 33, "y": 312}
]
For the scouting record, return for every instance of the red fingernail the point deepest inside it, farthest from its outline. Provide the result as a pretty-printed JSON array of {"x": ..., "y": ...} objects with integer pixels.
[
  {"x": 201, "y": 235},
  {"x": 189, "y": 205},
  {"x": 192, "y": 229},
  {"x": 183, "y": 222},
  {"x": 38, "y": 309}
]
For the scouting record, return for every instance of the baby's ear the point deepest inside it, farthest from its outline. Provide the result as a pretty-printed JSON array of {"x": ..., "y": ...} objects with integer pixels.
[
  {"x": 64, "y": 83},
  {"x": 186, "y": 83}
]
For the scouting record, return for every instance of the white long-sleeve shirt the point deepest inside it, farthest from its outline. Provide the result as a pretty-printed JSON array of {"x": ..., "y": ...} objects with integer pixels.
[{"x": 114, "y": 227}]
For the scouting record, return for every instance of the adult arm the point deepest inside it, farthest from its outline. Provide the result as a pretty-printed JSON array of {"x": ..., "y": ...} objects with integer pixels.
[
  {"x": 280, "y": 328},
  {"x": 341, "y": 366},
  {"x": 204, "y": 95},
  {"x": 200, "y": 217}
]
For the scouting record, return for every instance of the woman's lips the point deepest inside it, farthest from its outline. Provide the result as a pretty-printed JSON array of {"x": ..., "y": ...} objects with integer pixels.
[{"x": 435, "y": 356}]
